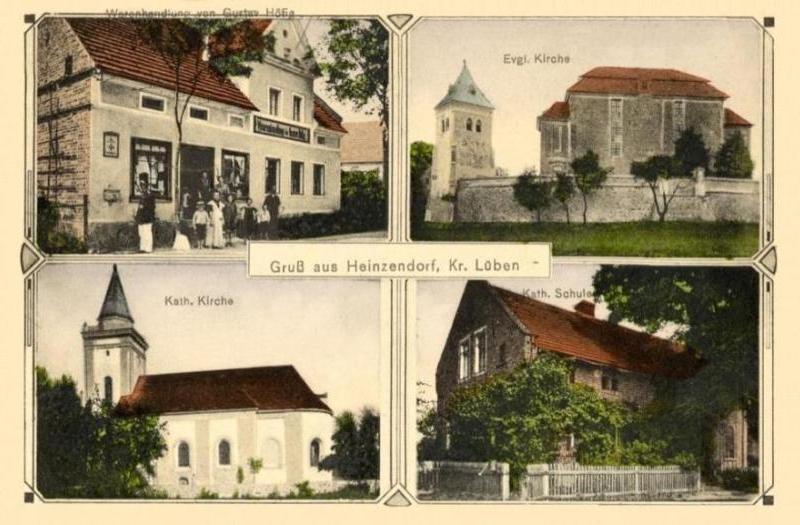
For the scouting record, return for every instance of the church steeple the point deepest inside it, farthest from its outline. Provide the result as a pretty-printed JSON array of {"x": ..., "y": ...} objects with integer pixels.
[
  {"x": 465, "y": 90},
  {"x": 115, "y": 305},
  {"x": 114, "y": 352}
]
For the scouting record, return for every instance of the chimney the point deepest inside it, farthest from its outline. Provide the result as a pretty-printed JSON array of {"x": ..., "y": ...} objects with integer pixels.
[{"x": 585, "y": 307}]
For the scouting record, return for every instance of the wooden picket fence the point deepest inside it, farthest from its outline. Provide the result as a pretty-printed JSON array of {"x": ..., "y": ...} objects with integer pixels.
[{"x": 573, "y": 481}]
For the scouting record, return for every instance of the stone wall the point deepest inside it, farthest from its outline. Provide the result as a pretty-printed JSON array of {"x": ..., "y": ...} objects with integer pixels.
[{"x": 621, "y": 199}]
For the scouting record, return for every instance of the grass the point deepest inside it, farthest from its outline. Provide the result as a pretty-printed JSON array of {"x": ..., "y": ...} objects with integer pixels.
[{"x": 621, "y": 239}]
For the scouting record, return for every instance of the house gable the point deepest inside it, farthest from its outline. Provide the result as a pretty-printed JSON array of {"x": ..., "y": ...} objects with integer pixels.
[{"x": 506, "y": 342}]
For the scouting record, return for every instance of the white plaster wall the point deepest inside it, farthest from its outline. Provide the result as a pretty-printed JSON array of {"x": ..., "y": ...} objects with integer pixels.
[
  {"x": 315, "y": 425},
  {"x": 271, "y": 427}
]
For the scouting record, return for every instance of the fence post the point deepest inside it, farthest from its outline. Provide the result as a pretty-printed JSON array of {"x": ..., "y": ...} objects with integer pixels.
[
  {"x": 505, "y": 480},
  {"x": 700, "y": 182}
]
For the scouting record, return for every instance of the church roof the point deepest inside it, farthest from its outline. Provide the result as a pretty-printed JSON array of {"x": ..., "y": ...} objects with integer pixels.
[
  {"x": 261, "y": 388},
  {"x": 734, "y": 119},
  {"x": 465, "y": 90},
  {"x": 115, "y": 304},
  {"x": 640, "y": 81},
  {"x": 580, "y": 336}
]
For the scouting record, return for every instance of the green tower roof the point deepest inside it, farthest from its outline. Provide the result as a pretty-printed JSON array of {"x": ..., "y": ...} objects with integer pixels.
[
  {"x": 115, "y": 304},
  {"x": 466, "y": 91}
]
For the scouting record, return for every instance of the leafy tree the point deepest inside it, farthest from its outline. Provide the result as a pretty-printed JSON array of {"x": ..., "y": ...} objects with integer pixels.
[
  {"x": 521, "y": 417},
  {"x": 87, "y": 451},
  {"x": 733, "y": 159},
  {"x": 421, "y": 157},
  {"x": 357, "y": 70},
  {"x": 533, "y": 193},
  {"x": 691, "y": 151},
  {"x": 589, "y": 176},
  {"x": 356, "y": 446},
  {"x": 715, "y": 312},
  {"x": 563, "y": 191},
  {"x": 184, "y": 43},
  {"x": 660, "y": 173},
  {"x": 62, "y": 425},
  {"x": 363, "y": 196}
]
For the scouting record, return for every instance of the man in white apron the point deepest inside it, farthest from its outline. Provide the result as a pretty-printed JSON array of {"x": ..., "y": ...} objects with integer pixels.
[{"x": 145, "y": 215}]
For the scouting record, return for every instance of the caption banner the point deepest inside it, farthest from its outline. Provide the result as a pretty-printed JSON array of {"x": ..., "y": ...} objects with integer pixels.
[{"x": 425, "y": 260}]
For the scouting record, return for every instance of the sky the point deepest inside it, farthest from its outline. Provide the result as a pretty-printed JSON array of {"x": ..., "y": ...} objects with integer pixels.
[
  {"x": 726, "y": 52},
  {"x": 328, "y": 329}
]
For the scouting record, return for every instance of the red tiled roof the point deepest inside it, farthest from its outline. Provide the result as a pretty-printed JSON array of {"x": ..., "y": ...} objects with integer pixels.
[
  {"x": 363, "y": 142},
  {"x": 734, "y": 119},
  {"x": 234, "y": 38},
  {"x": 558, "y": 111},
  {"x": 115, "y": 47},
  {"x": 262, "y": 388},
  {"x": 327, "y": 117},
  {"x": 596, "y": 341},
  {"x": 637, "y": 81}
]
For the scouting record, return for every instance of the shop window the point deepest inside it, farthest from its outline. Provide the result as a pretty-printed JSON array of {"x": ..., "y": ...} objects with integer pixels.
[
  {"x": 319, "y": 179},
  {"x": 235, "y": 177},
  {"x": 297, "y": 178},
  {"x": 151, "y": 164}
]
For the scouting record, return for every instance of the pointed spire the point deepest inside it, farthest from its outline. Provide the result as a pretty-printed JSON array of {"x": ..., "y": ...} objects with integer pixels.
[
  {"x": 465, "y": 90},
  {"x": 115, "y": 304}
]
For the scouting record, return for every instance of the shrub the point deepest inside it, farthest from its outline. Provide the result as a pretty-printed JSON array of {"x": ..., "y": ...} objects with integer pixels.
[
  {"x": 363, "y": 201},
  {"x": 48, "y": 236},
  {"x": 739, "y": 479},
  {"x": 207, "y": 494}
]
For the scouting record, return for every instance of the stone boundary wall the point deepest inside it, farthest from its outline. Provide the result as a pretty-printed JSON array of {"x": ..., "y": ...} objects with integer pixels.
[
  {"x": 621, "y": 199},
  {"x": 463, "y": 480}
]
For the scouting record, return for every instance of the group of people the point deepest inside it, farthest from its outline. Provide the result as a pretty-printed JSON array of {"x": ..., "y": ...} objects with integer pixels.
[
  {"x": 210, "y": 222},
  {"x": 217, "y": 222}
]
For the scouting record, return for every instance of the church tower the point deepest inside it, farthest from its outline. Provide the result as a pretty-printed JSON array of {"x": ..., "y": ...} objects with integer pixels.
[
  {"x": 113, "y": 351},
  {"x": 463, "y": 148}
]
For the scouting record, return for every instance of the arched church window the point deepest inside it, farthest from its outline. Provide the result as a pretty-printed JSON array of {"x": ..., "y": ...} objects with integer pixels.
[
  {"x": 183, "y": 454},
  {"x": 469, "y": 124},
  {"x": 273, "y": 457},
  {"x": 224, "y": 452},
  {"x": 447, "y": 123},
  {"x": 108, "y": 389},
  {"x": 314, "y": 452},
  {"x": 443, "y": 128},
  {"x": 478, "y": 126},
  {"x": 730, "y": 442}
]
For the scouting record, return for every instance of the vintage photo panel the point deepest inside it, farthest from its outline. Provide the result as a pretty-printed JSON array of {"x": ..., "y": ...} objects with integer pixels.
[
  {"x": 181, "y": 135},
  {"x": 605, "y": 136},
  {"x": 191, "y": 381},
  {"x": 601, "y": 383}
]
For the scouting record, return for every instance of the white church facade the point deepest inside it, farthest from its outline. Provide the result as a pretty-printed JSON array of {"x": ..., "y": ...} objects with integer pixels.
[{"x": 246, "y": 431}]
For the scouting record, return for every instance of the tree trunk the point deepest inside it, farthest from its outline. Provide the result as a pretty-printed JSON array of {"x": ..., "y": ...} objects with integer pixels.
[
  {"x": 585, "y": 206},
  {"x": 566, "y": 210}
]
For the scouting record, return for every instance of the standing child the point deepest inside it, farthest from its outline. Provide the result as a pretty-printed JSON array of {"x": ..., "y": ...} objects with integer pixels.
[
  {"x": 263, "y": 222},
  {"x": 200, "y": 223}
]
